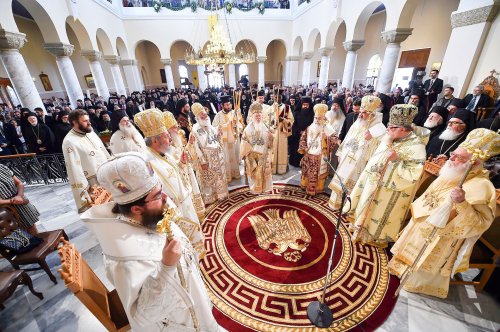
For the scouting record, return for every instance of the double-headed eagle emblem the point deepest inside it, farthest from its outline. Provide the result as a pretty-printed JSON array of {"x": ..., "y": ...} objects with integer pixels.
[{"x": 276, "y": 234}]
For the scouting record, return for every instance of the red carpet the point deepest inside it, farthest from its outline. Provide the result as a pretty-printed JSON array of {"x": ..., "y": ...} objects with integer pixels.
[{"x": 267, "y": 258}]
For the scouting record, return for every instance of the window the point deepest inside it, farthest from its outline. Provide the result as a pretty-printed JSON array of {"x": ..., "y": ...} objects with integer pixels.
[
  {"x": 183, "y": 74},
  {"x": 373, "y": 70},
  {"x": 243, "y": 70}
]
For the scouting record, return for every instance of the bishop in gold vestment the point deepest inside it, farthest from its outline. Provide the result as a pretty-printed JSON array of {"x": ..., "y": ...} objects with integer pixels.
[
  {"x": 316, "y": 144},
  {"x": 256, "y": 150},
  {"x": 359, "y": 144},
  {"x": 472, "y": 212},
  {"x": 384, "y": 191}
]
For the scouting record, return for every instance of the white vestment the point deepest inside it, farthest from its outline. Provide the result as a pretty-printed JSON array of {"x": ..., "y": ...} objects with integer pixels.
[
  {"x": 177, "y": 187},
  {"x": 336, "y": 123},
  {"x": 151, "y": 292},
  {"x": 119, "y": 142},
  {"x": 230, "y": 126},
  {"x": 83, "y": 154}
]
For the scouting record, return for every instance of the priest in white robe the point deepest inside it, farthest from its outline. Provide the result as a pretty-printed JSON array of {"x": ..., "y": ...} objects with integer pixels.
[
  {"x": 125, "y": 138},
  {"x": 208, "y": 157},
  {"x": 227, "y": 121},
  {"x": 83, "y": 153},
  {"x": 359, "y": 144},
  {"x": 177, "y": 187},
  {"x": 256, "y": 151},
  {"x": 177, "y": 148},
  {"x": 146, "y": 266}
]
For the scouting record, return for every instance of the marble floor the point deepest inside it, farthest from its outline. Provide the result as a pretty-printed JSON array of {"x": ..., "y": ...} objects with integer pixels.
[{"x": 463, "y": 310}]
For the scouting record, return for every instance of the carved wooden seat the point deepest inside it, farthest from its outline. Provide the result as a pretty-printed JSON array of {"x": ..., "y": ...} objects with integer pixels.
[
  {"x": 89, "y": 289},
  {"x": 432, "y": 167},
  {"x": 99, "y": 195}
]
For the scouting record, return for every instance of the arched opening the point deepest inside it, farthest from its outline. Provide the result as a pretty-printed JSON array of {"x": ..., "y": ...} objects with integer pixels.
[
  {"x": 373, "y": 70},
  {"x": 252, "y": 68},
  {"x": 121, "y": 49},
  {"x": 177, "y": 54},
  {"x": 148, "y": 59},
  {"x": 276, "y": 53},
  {"x": 78, "y": 37}
]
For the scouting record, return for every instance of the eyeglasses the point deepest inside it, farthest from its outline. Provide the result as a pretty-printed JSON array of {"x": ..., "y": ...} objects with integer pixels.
[
  {"x": 454, "y": 155},
  {"x": 156, "y": 197},
  {"x": 455, "y": 123}
]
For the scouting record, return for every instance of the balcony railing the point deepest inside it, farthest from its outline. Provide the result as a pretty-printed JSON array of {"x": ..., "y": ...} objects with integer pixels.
[
  {"x": 244, "y": 5},
  {"x": 34, "y": 169}
]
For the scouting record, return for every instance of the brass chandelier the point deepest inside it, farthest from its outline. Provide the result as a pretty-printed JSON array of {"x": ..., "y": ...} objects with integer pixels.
[{"x": 219, "y": 50}]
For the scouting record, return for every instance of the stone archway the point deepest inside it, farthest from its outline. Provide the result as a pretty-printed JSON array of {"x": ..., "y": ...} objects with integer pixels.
[
  {"x": 148, "y": 55},
  {"x": 177, "y": 53},
  {"x": 276, "y": 54}
]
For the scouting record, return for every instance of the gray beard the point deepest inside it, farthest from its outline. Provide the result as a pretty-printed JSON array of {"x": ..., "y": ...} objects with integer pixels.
[
  {"x": 205, "y": 123},
  {"x": 449, "y": 135},
  {"x": 128, "y": 131},
  {"x": 430, "y": 124}
]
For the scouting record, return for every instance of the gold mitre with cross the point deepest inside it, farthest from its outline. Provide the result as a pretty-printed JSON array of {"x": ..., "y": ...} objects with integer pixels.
[
  {"x": 320, "y": 109},
  {"x": 482, "y": 143},
  {"x": 150, "y": 122},
  {"x": 402, "y": 115},
  {"x": 370, "y": 104},
  {"x": 256, "y": 107},
  {"x": 197, "y": 108},
  {"x": 169, "y": 120}
]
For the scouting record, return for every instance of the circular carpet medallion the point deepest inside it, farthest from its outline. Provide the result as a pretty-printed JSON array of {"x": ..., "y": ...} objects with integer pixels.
[{"x": 267, "y": 258}]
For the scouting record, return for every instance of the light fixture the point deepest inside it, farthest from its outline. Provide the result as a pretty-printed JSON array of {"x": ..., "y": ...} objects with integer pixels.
[{"x": 219, "y": 50}]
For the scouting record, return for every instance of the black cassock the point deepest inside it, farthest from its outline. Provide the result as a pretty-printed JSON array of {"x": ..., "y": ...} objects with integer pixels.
[
  {"x": 302, "y": 120},
  {"x": 39, "y": 136},
  {"x": 437, "y": 146}
]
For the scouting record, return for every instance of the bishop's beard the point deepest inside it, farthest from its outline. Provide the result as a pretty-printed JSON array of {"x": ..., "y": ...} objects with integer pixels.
[
  {"x": 451, "y": 173},
  {"x": 449, "y": 135},
  {"x": 204, "y": 122},
  {"x": 430, "y": 124},
  {"x": 128, "y": 130},
  {"x": 316, "y": 128}
]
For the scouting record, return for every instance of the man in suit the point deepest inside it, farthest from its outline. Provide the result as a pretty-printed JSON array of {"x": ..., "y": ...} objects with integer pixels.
[
  {"x": 477, "y": 99},
  {"x": 433, "y": 88},
  {"x": 350, "y": 119}
]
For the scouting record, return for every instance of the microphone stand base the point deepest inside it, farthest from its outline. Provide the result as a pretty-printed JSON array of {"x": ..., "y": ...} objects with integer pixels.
[{"x": 319, "y": 314}]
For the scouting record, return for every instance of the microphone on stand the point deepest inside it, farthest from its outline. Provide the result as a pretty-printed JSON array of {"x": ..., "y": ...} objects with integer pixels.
[{"x": 318, "y": 312}]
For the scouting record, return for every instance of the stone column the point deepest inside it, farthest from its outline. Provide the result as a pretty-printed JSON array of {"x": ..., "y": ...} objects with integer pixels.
[
  {"x": 96, "y": 69},
  {"x": 19, "y": 75},
  {"x": 262, "y": 78},
  {"x": 292, "y": 67},
  {"x": 202, "y": 78},
  {"x": 351, "y": 47},
  {"x": 325, "y": 66},
  {"x": 114, "y": 61},
  {"x": 131, "y": 75},
  {"x": 232, "y": 75},
  {"x": 393, "y": 38},
  {"x": 306, "y": 68},
  {"x": 470, "y": 29},
  {"x": 168, "y": 73},
  {"x": 62, "y": 52}
]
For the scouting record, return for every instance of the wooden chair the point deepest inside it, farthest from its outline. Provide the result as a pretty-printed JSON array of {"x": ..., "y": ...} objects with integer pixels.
[
  {"x": 89, "y": 289},
  {"x": 10, "y": 280},
  {"x": 483, "y": 112},
  {"x": 51, "y": 240},
  {"x": 485, "y": 256}
]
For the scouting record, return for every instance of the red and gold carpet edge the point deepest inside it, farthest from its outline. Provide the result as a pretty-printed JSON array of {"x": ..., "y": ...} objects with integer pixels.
[{"x": 267, "y": 256}]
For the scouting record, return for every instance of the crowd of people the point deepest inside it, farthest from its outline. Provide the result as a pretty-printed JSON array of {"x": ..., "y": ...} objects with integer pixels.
[{"x": 178, "y": 150}]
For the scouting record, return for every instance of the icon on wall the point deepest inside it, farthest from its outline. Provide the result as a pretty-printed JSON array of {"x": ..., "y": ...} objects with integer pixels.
[
  {"x": 45, "y": 81},
  {"x": 90, "y": 81}
]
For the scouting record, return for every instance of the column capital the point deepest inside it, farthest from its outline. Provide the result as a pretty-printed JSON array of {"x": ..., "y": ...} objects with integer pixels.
[
  {"x": 353, "y": 45},
  {"x": 326, "y": 51},
  {"x": 166, "y": 62},
  {"x": 128, "y": 62},
  {"x": 396, "y": 36},
  {"x": 474, "y": 16},
  {"x": 112, "y": 59},
  {"x": 11, "y": 40},
  {"x": 59, "y": 49},
  {"x": 91, "y": 55},
  {"x": 307, "y": 55},
  {"x": 292, "y": 58},
  {"x": 261, "y": 59}
]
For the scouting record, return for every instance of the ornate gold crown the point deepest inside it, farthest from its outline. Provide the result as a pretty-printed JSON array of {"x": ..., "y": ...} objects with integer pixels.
[
  {"x": 150, "y": 122},
  {"x": 255, "y": 107},
  {"x": 370, "y": 104},
  {"x": 482, "y": 143},
  {"x": 402, "y": 114},
  {"x": 320, "y": 109},
  {"x": 169, "y": 120},
  {"x": 197, "y": 108}
]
